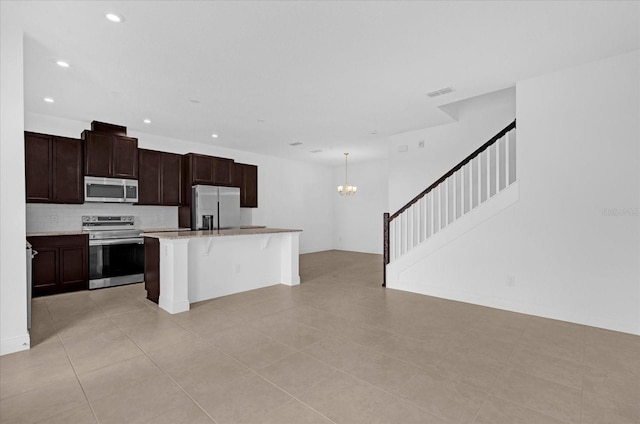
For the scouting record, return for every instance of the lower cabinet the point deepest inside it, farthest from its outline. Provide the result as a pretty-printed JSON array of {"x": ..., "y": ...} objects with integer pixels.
[
  {"x": 60, "y": 265},
  {"x": 152, "y": 268}
]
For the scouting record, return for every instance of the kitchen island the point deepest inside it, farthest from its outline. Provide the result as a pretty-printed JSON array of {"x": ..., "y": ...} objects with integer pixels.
[{"x": 184, "y": 267}]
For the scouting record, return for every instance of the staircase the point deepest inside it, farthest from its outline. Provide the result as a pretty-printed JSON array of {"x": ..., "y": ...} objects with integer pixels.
[{"x": 474, "y": 181}]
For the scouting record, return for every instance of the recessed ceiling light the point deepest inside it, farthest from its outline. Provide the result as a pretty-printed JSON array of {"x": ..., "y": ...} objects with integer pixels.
[
  {"x": 295, "y": 143},
  {"x": 194, "y": 101},
  {"x": 260, "y": 120},
  {"x": 214, "y": 135},
  {"x": 62, "y": 64},
  {"x": 48, "y": 100},
  {"x": 147, "y": 121},
  {"x": 316, "y": 151},
  {"x": 114, "y": 18}
]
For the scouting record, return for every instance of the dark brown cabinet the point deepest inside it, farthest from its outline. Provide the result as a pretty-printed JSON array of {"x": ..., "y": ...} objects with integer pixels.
[
  {"x": 209, "y": 170},
  {"x": 60, "y": 265},
  {"x": 152, "y": 268},
  {"x": 109, "y": 155},
  {"x": 201, "y": 169},
  {"x": 53, "y": 169},
  {"x": 246, "y": 177},
  {"x": 159, "y": 178}
]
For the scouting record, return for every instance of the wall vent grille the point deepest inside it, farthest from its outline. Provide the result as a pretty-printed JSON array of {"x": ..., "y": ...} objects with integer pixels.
[{"x": 445, "y": 90}]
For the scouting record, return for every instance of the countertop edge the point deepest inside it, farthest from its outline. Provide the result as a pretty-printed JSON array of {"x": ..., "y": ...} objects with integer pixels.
[
  {"x": 221, "y": 233},
  {"x": 57, "y": 233}
]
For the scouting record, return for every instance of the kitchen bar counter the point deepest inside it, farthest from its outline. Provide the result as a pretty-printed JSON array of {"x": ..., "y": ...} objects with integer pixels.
[
  {"x": 243, "y": 231},
  {"x": 147, "y": 232},
  {"x": 162, "y": 230},
  {"x": 192, "y": 266}
]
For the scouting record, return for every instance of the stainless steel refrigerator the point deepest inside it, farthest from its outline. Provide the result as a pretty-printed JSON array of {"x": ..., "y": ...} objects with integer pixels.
[{"x": 215, "y": 207}]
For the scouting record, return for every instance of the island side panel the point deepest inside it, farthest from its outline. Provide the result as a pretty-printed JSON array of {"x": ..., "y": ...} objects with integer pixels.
[
  {"x": 290, "y": 257},
  {"x": 174, "y": 275}
]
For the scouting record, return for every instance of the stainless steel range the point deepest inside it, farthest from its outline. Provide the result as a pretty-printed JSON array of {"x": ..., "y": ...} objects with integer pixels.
[{"x": 116, "y": 251}]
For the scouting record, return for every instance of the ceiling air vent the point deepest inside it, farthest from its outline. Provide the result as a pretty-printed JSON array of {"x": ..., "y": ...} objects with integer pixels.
[
  {"x": 440, "y": 92},
  {"x": 316, "y": 151},
  {"x": 296, "y": 143}
]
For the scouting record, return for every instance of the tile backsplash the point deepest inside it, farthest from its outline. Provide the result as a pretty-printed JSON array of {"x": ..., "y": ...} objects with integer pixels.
[{"x": 53, "y": 217}]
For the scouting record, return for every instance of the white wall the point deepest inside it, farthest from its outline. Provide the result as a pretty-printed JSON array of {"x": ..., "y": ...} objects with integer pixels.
[
  {"x": 479, "y": 119},
  {"x": 357, "y": 220},
  {"x": 578, "y": 136},
  {"x": 13, "y": 287},
  {"x": 291, "y": 194}
]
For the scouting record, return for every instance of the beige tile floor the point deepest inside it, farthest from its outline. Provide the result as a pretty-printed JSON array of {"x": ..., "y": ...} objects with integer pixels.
[{"x": 338, "y": 348}]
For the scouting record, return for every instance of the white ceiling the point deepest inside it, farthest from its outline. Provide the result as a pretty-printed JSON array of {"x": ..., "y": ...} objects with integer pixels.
[{"x": 326, "y": 74}]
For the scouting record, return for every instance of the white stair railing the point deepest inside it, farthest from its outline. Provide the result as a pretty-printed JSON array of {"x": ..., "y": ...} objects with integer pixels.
[{"x": 475, "y": 180}]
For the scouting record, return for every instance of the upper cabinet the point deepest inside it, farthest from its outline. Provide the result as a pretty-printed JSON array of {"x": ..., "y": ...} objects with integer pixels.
[
  {"x": 53, "y": 169},
  {"x": 246, "y": 177},
  {"x": 159, "y": 179},
  {"x": 56, "y": 166},
  {"x": 209, "y": 170},
  {"x": 109, "y": 155}
]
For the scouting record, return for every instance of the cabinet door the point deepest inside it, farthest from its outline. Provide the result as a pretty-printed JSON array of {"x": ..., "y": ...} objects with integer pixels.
[
  {"x": 201, "y": 169},
  {"x": 45, "y": 270},
  {"x": 149, "y": 168},
  {"x": 249, "y": 189},
  {"x": 67, "y": 170},
  {"x": 125, "y": 157},
  {"x": 97, "y": 154},
  {"x": 223, "y": 171},
  {"x": 38, "y": 170},
  {"x": 73, "y": 268},
  {"x": 171, "y": 179},
  {"x": 236, "y": 179},
  {"x": 61, "y": 264}
]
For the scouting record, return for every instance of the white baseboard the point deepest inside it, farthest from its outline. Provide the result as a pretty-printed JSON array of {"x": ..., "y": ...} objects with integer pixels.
[{"x": 15, "y": 344}]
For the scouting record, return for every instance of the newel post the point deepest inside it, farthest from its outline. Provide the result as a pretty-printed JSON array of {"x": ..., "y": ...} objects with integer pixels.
[{"x": 385, "y": 247}]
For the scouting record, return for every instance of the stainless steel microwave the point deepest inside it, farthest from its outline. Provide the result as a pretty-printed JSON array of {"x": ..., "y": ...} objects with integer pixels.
[{"x": 110, "y": 190}]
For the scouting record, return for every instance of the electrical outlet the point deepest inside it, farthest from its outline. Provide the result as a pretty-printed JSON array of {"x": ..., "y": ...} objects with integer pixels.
[
  {"x": 54, "y": 219},
  {"x": 237, "y": 268},
  {"x": 511, "y": 281}
]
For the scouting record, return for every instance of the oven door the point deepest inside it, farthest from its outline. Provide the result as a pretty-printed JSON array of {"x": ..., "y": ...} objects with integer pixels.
[{"x": 115, "y": 262}]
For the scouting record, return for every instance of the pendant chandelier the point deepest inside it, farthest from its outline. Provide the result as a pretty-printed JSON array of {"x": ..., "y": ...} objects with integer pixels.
[{"x": 346, "y": 189}]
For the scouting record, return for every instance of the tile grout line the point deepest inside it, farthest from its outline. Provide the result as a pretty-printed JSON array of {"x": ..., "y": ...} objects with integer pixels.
[
  {"x": 144, "y": 352},
  {"x": 366, "y": 382},
  {"x": 251, "y": 370},
  {"x": 75, "y": 372},
  {"x": 502, "y": 370},
  {"x": 504, "y": 365}
]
